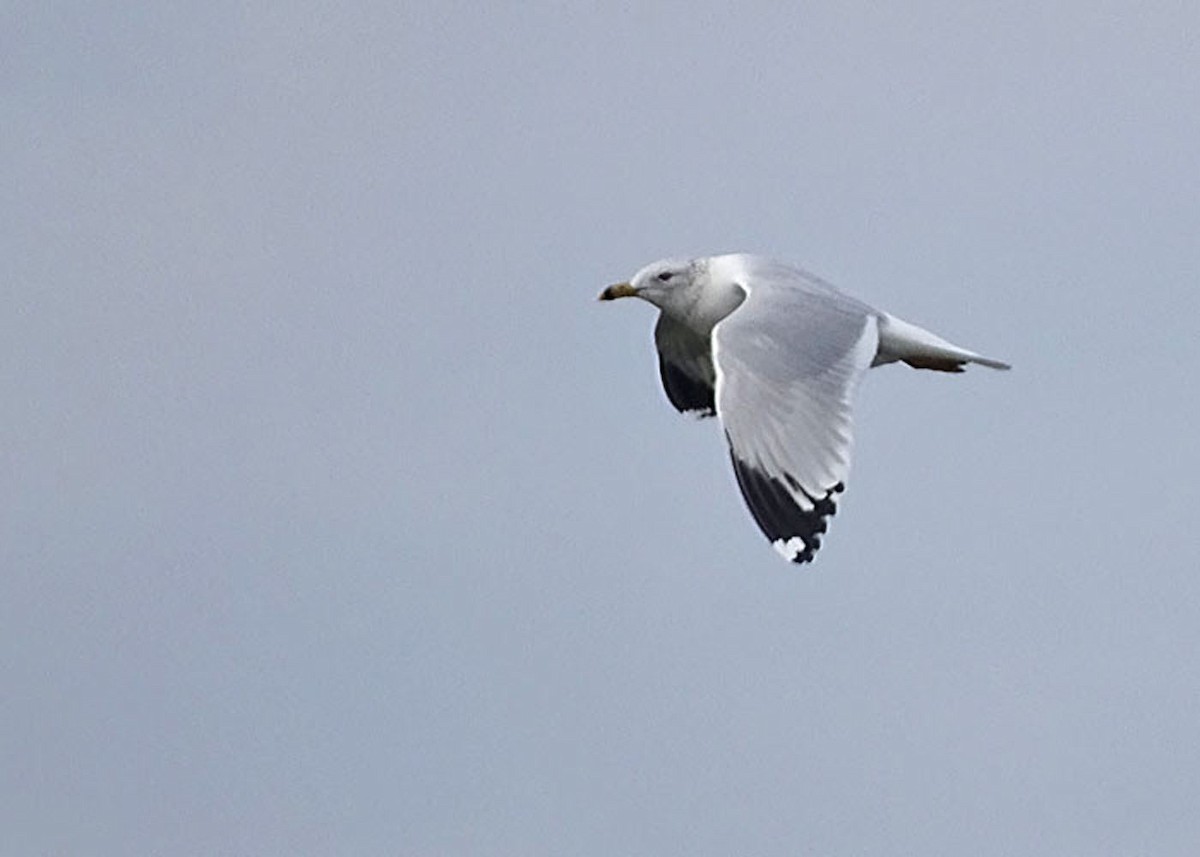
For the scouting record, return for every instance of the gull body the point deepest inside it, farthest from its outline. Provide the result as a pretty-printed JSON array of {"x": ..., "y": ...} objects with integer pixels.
[{"x": 776, "y": 354}]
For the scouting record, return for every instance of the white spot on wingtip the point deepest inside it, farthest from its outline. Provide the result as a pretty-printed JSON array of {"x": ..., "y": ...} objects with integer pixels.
[{"x": 791, "y": 548}]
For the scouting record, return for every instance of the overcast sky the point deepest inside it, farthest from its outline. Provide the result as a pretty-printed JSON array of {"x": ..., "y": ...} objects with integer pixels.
[{"x": 337, "y": 517}]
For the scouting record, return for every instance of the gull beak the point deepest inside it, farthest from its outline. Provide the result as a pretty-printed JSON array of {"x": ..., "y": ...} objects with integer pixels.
[{"x": 619, "y": 290}]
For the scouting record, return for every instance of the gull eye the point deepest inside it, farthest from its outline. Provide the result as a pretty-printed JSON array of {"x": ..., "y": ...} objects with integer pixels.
[{"x": 664, "y": 276}]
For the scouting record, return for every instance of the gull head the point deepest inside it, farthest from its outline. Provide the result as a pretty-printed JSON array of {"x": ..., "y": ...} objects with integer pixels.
[
  {"x": 696, "y": 292},
  {"x": 670, "y": 284}
]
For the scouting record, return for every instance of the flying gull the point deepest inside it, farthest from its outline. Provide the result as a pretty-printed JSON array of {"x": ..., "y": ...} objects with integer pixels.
[{"x": 776, "y": 354}]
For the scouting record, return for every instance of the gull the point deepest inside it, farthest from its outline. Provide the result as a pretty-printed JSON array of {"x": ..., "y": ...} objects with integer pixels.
[{"x": 776, "y": 354}]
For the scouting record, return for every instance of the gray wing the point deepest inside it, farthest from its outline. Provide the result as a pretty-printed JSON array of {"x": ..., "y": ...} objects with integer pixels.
[
  {"x": 685, "y": 363},
  {"x": 788, "y": 361}
]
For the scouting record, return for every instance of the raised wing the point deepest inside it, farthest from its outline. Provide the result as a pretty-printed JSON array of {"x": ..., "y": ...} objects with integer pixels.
[
  {"x": 787, "y": 363},
  {"x": 685, "y": 363}
]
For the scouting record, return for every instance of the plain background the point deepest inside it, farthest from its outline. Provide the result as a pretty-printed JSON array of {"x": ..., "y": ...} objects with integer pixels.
[{"x": 336, "y": 516}]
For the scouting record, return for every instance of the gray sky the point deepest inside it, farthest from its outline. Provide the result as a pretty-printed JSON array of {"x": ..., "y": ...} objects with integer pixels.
[{"x": 338, "y": 518}]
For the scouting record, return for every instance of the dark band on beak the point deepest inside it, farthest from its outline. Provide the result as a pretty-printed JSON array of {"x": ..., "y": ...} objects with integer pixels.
[{"x": 619, "y": 290}]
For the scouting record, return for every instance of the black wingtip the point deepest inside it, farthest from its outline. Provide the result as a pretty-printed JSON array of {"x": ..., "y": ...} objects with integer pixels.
[
  {"x": 689, "y": 395},
  {"x": 795, "y": 532}
]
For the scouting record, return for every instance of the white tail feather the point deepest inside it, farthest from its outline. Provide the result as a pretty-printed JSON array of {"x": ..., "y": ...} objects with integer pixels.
[{"x": 900, "y": 340}]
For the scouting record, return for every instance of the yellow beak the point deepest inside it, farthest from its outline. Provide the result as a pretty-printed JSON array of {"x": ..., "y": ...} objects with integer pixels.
[{"x": 618, "y": 290}]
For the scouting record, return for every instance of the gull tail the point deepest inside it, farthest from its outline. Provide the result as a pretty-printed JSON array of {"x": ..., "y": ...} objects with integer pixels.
[{"x": 907, "y": 343}]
